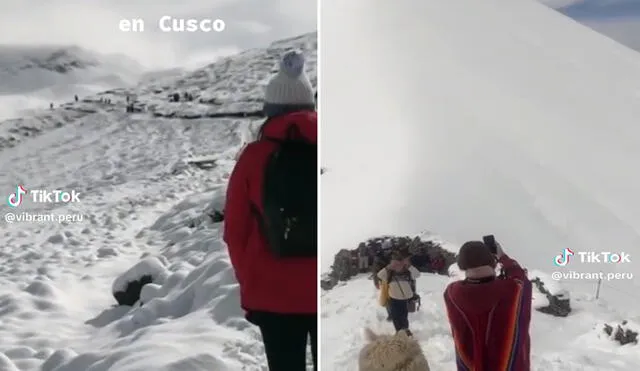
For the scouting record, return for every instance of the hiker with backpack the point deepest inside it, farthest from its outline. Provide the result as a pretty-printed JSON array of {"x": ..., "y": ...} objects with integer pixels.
[
  {"x": 398, "y": 289},
  {"x": 271, "y": 220}
]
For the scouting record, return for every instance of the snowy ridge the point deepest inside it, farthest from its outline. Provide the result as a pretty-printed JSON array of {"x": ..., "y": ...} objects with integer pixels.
[
  {"x": 219, "y": 88},
  {"x": 29, "y": 69},
  {"x": 141, "y": 202},
  {"x": 34, "y": 76}
]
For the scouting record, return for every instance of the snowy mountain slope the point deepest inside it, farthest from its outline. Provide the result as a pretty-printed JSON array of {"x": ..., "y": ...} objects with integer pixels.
[
  {"x": 530, "y": 134},
  {"x": 468, "y": 118},
  {"x": 138, "y": 199},
  {"x": 34, "y": 76},
  {"x": 224, "y": 86}
]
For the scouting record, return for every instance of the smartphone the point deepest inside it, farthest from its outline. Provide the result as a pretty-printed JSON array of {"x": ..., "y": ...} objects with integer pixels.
[{"x": 490, "y": 241}]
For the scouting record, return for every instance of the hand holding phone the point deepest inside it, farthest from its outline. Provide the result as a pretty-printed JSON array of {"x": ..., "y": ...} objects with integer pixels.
[{"x": 490, "y": 242}]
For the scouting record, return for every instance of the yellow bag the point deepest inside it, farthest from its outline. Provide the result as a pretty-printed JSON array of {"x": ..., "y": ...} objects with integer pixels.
[{"x": 384, "y": 293}]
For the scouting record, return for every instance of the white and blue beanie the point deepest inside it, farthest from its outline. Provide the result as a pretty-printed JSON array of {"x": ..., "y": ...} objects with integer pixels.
[{"x": 290, "y": 89}]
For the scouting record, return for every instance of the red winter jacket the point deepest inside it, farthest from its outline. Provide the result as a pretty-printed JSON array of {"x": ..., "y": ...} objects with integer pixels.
[
  {"x": 490, "y": 321},
  {"x": 266, "y": 283}
]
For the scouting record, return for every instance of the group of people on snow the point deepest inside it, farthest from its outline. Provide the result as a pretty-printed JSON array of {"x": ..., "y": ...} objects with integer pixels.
[
  {"x": 175, "y": 97},
  {"x": 489, "y": 314}
]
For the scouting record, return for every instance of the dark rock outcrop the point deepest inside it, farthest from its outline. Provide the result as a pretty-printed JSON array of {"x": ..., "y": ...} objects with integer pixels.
[
  {"x": 131, "y": 294},
  {"x": 559, "y": 304},
  {"x": 374, "y": 254},
  {"x": 622, "y": 334}
]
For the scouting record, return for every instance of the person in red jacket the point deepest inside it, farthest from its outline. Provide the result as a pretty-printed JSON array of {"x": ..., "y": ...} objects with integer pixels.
[
  {"x": 489, "y": 316},
  {"x": 278, "y": 294}
]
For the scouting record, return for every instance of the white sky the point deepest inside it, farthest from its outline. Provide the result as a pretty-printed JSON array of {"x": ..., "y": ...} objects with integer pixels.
[{"x": 94, "y": 25}]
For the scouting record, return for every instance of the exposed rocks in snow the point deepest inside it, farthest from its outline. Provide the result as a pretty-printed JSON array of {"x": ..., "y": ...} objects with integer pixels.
[
  {"x": 106, "y": 251},
  {"x": 558, "y": 300},
  {"x": 622, "y": 333},
  {"x": 56, "y": 238},
  {"x": 374, "y": 254},
  {"x": 127, "y": 287},
  {"x": 207, "y": 113}
]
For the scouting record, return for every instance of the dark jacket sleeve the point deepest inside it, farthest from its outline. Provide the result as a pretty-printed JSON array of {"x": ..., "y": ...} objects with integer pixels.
[{"x": 237, "y": 214}]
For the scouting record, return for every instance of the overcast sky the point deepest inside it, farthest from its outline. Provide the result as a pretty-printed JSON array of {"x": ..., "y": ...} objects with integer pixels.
[{"x": 94, "y": 24}]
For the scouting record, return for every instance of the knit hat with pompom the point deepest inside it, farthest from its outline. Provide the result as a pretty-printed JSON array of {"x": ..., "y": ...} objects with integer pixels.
[{"x": 289, "y": 90}]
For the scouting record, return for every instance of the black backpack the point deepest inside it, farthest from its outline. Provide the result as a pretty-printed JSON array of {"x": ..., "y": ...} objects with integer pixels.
[{"x": 289, "y": 221}]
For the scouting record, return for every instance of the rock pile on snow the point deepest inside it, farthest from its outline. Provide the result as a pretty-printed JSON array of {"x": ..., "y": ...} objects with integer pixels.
[
  {"x": 622, "y": 333},
  {"x": 127, "y": 287},
  {"x": 426, "y": 255},
  {"x": 549, "y": 297}
]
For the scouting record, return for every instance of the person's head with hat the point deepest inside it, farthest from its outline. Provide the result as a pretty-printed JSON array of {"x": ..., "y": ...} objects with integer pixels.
[
  {"x": 399, "y": 260},
  {"x": 476, "y": 260},
  {"x": 289, "y": 90}
]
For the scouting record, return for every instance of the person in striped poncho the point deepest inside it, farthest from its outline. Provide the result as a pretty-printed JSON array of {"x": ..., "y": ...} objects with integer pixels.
[{"x": 489, "y": 315}]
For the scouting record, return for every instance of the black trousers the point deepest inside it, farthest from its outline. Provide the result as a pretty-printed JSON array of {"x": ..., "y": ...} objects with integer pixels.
[
  {"x": 399, "y": 313},
  {"x": 285, "y": 338}
]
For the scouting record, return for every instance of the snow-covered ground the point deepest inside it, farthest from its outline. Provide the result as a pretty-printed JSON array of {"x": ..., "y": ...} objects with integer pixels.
[
  {"x": 467, "y": 118},
  {"x": 573, "y": 343},
  {"x": 140, "y": 202}
]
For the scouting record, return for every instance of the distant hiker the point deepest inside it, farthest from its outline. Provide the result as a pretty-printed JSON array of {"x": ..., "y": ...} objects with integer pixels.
[
  {"x": 363, "y": 258},
  {"x": 482, "y": 307},
  {"x": 271, "y": 220},
  {"x": 398, "y": 289},
  {"x": 128, "y": 99},
  {"x": 50, "y": 105},
  {"x": 76, "y": 97}
]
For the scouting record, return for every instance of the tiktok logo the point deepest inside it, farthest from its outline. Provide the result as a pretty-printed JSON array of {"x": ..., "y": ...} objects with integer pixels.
[
  {"x": 15, "y": 199},
  {"x": 563, "y": 259}
]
